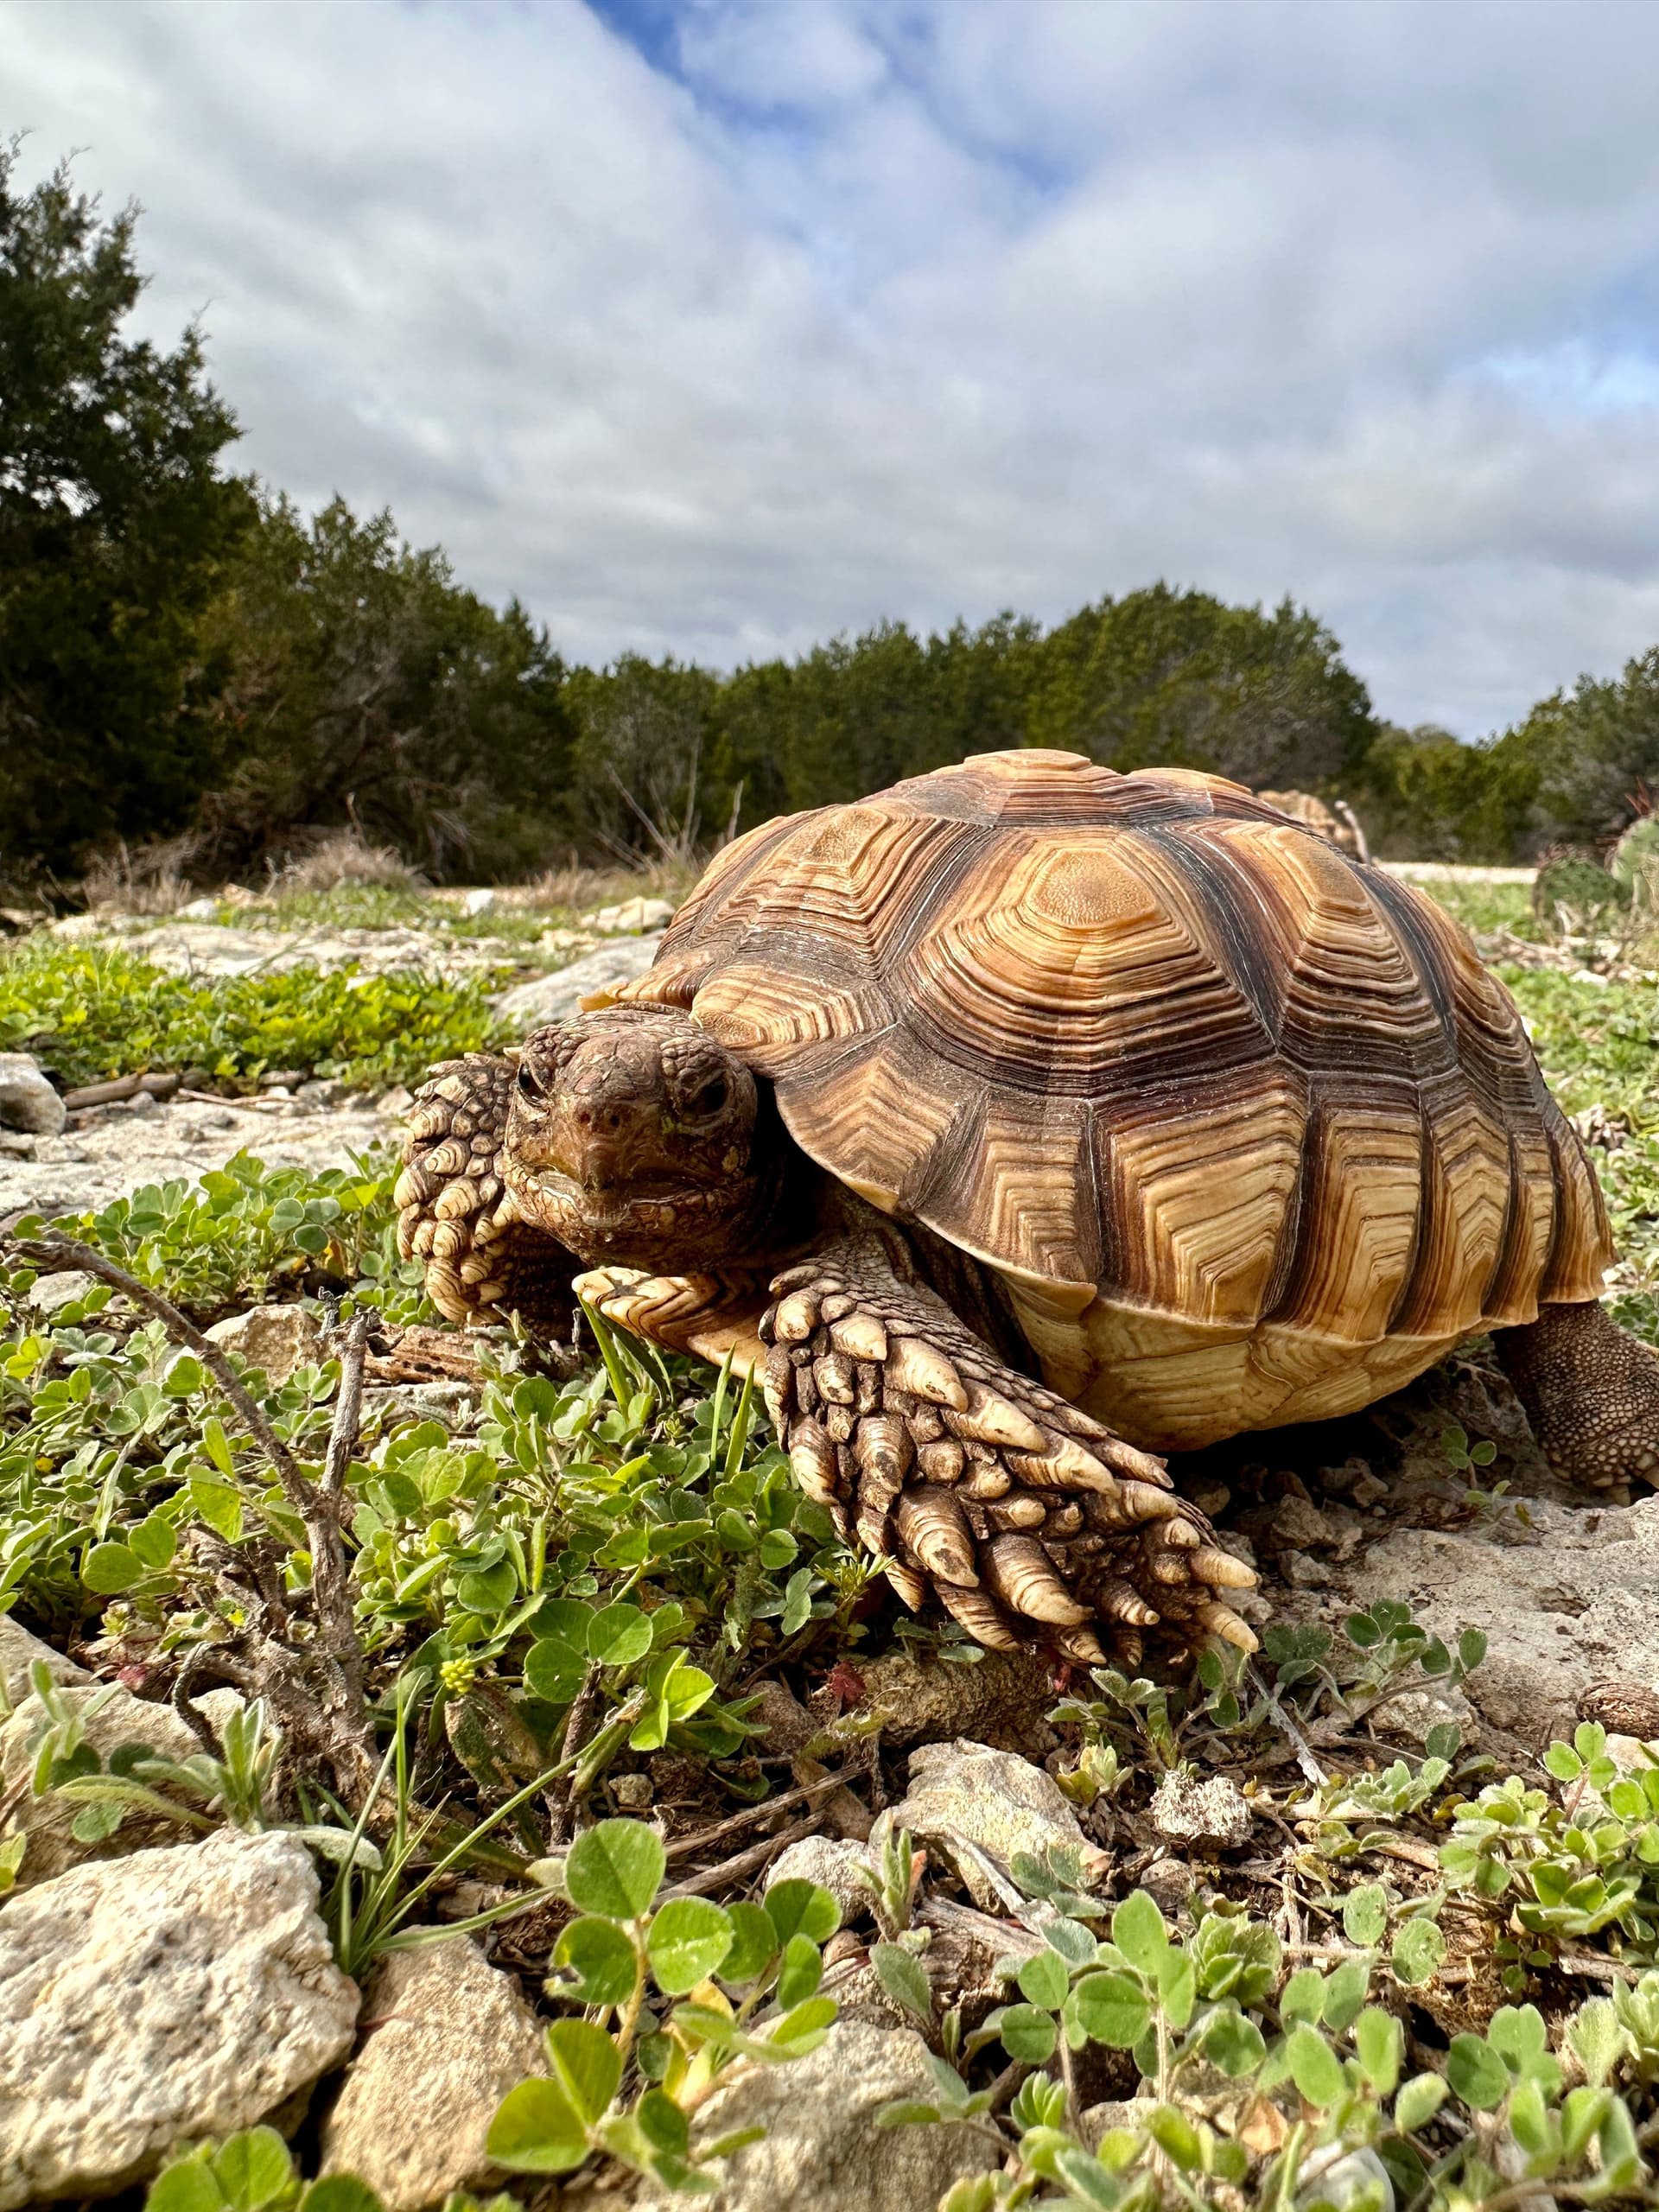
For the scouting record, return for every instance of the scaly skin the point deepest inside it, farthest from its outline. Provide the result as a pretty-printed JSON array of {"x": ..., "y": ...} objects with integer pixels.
[{"x": 1592, "y": 1394}]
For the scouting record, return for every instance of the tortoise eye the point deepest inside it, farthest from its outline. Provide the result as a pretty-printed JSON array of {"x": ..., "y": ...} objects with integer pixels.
[
  {"x": 709, "y": 1099},
  {"x": 528, "y": 1084}
]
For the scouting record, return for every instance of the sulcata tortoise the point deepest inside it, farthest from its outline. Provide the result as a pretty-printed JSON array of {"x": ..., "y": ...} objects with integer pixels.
[{"x": 1024, "y": 1122}]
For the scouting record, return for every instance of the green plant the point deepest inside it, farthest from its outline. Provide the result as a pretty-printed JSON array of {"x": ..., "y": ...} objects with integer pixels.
[
  {"x": 679, "y": 1994},
  {"x": 1244, "y": 2090},
  {"x": 1574, "y": 1867},
  {"x": 253, "y": 2172},
  {"x": 92, "y": 1010}
]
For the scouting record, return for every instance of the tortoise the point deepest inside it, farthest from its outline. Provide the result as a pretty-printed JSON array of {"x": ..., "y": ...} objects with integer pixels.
[{"x": 1022, "y": 1124}]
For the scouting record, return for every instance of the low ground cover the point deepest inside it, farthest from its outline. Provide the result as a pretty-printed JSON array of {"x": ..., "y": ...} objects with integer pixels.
[{"x": 91, "y": 1011}]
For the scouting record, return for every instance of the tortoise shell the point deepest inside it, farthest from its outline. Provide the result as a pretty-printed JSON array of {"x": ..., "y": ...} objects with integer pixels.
[{"x": 1247, "y": 1129}]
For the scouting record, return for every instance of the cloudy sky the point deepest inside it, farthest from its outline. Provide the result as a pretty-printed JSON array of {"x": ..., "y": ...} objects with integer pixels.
[{"x": 716, "y": 327}]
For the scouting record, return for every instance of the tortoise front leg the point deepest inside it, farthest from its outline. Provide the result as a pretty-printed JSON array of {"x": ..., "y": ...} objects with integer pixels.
[
  {"x": 1030, "y": 1522},
  {"x": 456, "y": 1213}
]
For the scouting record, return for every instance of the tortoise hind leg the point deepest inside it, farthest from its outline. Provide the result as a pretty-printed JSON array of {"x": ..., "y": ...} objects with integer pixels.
[
  {"x": 456, "y": 1214},
  {"x": 1591, "y": 1392}
]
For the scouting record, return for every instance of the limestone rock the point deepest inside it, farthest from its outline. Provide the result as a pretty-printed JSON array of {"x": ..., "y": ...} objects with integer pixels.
[
  {"x": 554, "y": 998},
  {"x": 1189, "y": 1808},
  {"x": 18, "y": 1652},
  {"x": 822, "y": 2151},
  {"x": 114, "y": 1717},
  {"x": 450, "y": 2035},
  {"x": 632, "y": 915},
  {"x": 994, "y": 1799},
  {"x": 1412, "y": 1713},
  {"x": 28, "y": 1101},
  {"x": 156, "y": 2000},
  {"x": 834, "y": 1865},
  {"x": 1566, "y": 1602},
  {"x": 51, "y": 1293},
  {"x": 274, "y": 1338}
]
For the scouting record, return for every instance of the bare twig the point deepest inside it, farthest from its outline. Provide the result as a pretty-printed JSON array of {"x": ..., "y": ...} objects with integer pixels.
[
  {"x": 746, "y": 1863},
  {"x": 687, "y": 1846}
]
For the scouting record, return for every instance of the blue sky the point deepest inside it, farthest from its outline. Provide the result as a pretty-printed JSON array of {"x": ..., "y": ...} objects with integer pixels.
[{"x": 718, "y": 326}]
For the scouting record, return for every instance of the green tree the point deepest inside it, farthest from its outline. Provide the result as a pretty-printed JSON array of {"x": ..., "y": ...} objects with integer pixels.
[
  {"x": 358, "y": 682},
  {"x": 1166, "y": 677},
  {"x": 1591, "y": 751},
  {"x": 1425, "y": 795},
  {"x": 114, "y": 519}
]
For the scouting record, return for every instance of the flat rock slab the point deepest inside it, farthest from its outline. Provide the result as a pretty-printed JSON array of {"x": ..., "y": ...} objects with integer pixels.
[
  {"x": 20, "y": 1651},
  {"x": 113, "y": 1718},
  {"x": 555, "y": 998},
  {"x": 86, "y": 1169},
  {"x": 158, "y": 2001},
  {"x": 1565, "y": 1603}
]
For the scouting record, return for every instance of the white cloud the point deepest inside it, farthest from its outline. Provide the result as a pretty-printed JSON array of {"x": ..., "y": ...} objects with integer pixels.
[{"x": 799, "y": 317}]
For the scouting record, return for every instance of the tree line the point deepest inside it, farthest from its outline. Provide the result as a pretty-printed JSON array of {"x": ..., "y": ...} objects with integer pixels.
[{"x": 185, "y": 655}]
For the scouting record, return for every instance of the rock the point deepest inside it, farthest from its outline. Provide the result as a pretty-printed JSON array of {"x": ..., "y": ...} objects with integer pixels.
[
  {"x": 1303, "y": 1572},
  {"x": 450, "y": 2035},
  {"x": 14, "y": 1145},
  {"x": 28, "y": 1102},
  {"x": 18, "y": 1652},
  {"x": 555, "y": 998},
  {"x": 112, "y": 1716},
  {"x": 153, "y": 2002},
  {"x": 834, "y": 1865},
  {"x": 1414, "y": 1713},
  {"x": 1333, "y": 2175},
  {"x": 634, "y": 1793},
  {"x": 1299, "y": 1525},
  {"x": 68, "y": 1287},
  {"x": 632, "y": 915},
  {"x": 822, "y": 2151},
  {"x": 393, "y": 1104},
  {"x": 1188, "y": 1808},
  {"x": 205, "y": 909},
  {"x": 995, "y": 1800},
  {"x": 274, "y": 1338},
  {"x": 1368, "y": 1489},
  {"x": 474, "y": 903}
]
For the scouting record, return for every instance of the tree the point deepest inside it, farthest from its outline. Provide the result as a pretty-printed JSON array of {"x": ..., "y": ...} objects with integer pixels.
[
  {"x": 356, "y": 680},
  {"x": 114, "y": 520},
  {"x": 1591, "y": 751},
  {"x": 1178, "y": 677}
]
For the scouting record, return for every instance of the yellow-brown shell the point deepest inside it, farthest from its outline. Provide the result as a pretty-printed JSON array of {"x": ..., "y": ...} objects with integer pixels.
[{"x": 1248, "y": 1128}]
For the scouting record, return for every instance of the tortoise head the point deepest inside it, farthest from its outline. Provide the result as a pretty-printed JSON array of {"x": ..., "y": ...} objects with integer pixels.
[{"x": 632, "y": 1137}]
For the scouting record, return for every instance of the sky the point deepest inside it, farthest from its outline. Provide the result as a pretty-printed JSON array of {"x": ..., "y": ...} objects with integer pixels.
[{"x": 718, "y": 327}]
